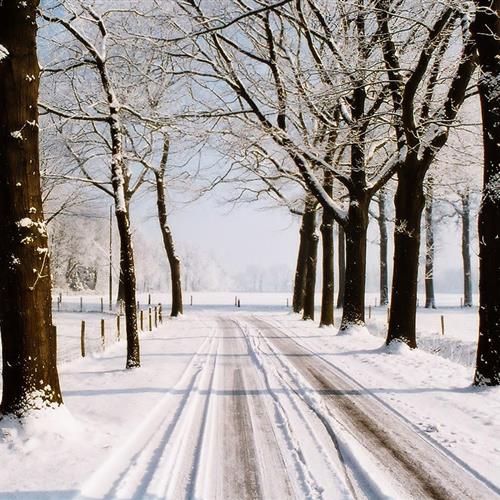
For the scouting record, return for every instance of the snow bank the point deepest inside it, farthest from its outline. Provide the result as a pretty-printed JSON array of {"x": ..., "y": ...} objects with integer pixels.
[
  {"x": 40, "y": 431},
  {"x": 454, "y": 348}
]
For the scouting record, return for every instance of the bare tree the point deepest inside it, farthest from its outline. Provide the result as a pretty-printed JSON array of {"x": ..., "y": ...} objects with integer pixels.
[
  {"x": 280, "y": 49},
  {"x": 107, "y": 116},
  {"x": 422, "y": 121}
]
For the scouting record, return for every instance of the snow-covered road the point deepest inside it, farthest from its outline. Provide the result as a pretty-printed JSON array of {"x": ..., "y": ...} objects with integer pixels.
[{"x": 242, "y": 405}]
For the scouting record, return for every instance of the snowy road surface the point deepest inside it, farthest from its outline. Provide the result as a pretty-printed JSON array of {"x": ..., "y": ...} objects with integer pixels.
[{"x": 236, "y": 406}]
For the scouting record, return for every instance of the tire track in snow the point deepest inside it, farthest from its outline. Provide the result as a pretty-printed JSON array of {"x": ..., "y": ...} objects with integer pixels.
[
  {"x": 418, "y": 466},
  {"x": 306, "y": 419},
  {"x": 129, "y": 469},
  {"x": 249, "y": 448},
  {"x": 309, "y": 485}
]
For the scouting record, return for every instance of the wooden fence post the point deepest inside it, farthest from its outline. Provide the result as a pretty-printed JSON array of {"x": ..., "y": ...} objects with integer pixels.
[
  {"x": 103, "y": 338},
  {"x": 142, "y": 320},
  {"x": 191, "y": 300},
  {"x": 82, "y": 339},
  {"x": 81, "y": 304},
  {"x": 150, "y": 320},
  {"x": 442, "y": 325},
  {"x": 118, "y": 327},
  {"x": 239, "y": 303},
  {"x": 102, "y": 304},
  {"x": 156, "y": 317},
  {"x": 149, "y": 299},
  {"x": 160, "y": 313}
]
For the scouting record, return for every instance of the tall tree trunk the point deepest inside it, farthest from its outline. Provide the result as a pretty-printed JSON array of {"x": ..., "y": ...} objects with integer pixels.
[
  {"x": 355, "y": 273},
  {"x": 430, "y": 301},
  {"x": 168, "y": 241},
  {"x": 465, "y": 215},
  {"x": 30, "y": 379},
  {"x": 129, "y": 286},
  {"x": 486, "y": 30},
  {"x": 327, "y": 297},
  {"x": 127, "y": 264},
  {"x": 341, "y": 262},
  {"x": 299, "y": 286},
  {"x": 312, "y": 254},
  {"x": 409, "y": 203},
  {"x": 382, "y": 225}
]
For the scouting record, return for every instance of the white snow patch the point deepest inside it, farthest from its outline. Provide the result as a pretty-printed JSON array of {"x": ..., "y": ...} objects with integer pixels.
[
  {"x": 41, "y": 429},
  {"x": 26, "y": 222},
  {"x": 3, "y": 52},
  {"x": 17, "y": 135},
  {"x": 355, "y": 330},
  {"x": 398, "y": 347}
]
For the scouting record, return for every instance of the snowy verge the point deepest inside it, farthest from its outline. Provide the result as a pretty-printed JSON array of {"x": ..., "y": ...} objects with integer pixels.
[{"x": 454, "y": 349}]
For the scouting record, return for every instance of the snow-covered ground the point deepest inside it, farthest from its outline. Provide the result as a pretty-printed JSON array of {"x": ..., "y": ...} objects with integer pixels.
[
  {"x": 252, "y": 402},
  {"x": 458, "y": 343}
]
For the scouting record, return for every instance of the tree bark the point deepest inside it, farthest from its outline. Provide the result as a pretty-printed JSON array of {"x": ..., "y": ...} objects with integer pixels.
[
  {"x": 355, "y": 272},
  {"x": 312, "y": 252},
  {"x": 168, "y": 241},
  {"x": 30, "y": 378},
  {"x": 127, "y": 264},
  {"x": 341, "y": 262},
  {"x": 486, "y": 30},
  {"x": 409, "y": 204},
  {"x": 430, "y": 301},
  {"x": 300, "y": 270},
  {"x": 120, "y": 299},
  {"x": 382, "y": 225},
  {"x": 327, "y": 295},
  {"x": 465, "y": 215}
]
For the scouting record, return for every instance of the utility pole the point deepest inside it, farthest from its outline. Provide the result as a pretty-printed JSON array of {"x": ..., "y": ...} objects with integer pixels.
[{"x": 111, "y": 257}]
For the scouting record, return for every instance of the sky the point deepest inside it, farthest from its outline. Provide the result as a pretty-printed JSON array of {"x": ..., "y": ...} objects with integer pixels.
[
  {"x": 239, "y": 237},
  {"x": 248, "y": 235}
]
